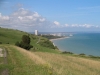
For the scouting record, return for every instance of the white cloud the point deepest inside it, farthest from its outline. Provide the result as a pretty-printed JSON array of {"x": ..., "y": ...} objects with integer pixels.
[
  {"x": 36, "y": 14},
  {"x": 23, "y": 18},
  {"x": 81, "y": 26},
  {"x": 20, "y": 17},
  {"x": 56, "y": 23},
  {"x": 4, "y": 17},
  {"x": 86, "y": 25},
  {"x": 43, "y": 19},
  {"x": 29, "y": 17},
  {"x": 75, "y": 25},
  {"x": 0, "y": 14},
  {"x": 66, "y": 25}
]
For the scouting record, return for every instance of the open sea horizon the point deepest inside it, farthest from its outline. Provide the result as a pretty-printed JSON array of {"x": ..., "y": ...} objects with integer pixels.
[{"x": 87, "y": 43}]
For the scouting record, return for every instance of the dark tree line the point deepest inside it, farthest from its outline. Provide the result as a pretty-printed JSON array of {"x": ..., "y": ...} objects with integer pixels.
[{"x": 25, "y": 43}]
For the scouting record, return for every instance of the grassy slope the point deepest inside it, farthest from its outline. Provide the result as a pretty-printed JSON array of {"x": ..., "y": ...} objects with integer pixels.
[
  {"x": 45, "y": 61},
  {"x": 10, "y": 35}
]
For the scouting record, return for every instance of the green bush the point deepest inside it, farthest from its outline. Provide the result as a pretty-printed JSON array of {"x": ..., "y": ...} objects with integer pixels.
[
  {"x": 17, "y": 43},
  {"x": 7, "y": 43},
  {"x": 0, "y": 42},
  {"x": 25, "y": 43},
  {"x": 65, "y": 52},
  {"x": 47, "y": 43},
  {"x": 82, "y": 54}
]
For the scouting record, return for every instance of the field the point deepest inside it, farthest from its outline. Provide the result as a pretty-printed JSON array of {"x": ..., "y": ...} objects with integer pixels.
[{"x": 42, "y": 60}]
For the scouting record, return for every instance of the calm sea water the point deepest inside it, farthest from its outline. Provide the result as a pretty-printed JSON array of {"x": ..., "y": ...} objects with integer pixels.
[{"x": 87, "y": 43}]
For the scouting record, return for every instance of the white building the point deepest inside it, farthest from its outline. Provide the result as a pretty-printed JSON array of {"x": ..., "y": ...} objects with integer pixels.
[{"x": 36, "y": 32}]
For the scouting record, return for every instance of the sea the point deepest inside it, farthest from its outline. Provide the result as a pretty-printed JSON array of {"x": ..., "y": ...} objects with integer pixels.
[{"x": 87, "y": 43}]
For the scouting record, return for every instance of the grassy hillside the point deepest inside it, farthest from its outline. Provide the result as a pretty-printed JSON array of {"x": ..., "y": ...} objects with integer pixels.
[
  {"x": 10, "y": 36},
  {"x": 42, "y": 60},
  {"x": 23, "y": 62}
]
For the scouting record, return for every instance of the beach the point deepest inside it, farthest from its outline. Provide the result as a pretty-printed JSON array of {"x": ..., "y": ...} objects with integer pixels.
[{"x": 59, "y": 38}]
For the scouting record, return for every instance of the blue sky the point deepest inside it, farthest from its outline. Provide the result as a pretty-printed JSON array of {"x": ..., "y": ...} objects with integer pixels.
[{"x": 50, "y": 15}]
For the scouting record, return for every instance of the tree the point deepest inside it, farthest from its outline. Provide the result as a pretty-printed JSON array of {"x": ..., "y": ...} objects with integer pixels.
[
  {"x": 25, "y": 43},
  {"x": 17, "y": 43},
  {"x": 26, "y": 39}
]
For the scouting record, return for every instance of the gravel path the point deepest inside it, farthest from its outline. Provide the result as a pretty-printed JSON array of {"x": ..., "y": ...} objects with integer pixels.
[
  {"x": 1, "y": 53},
  {"x": 4, "y": 55}
]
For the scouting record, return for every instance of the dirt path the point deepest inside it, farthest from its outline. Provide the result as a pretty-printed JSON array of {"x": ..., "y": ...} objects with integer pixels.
[
  {"x": 1, "y": 53},
  {"x": 4, "y": 55}
]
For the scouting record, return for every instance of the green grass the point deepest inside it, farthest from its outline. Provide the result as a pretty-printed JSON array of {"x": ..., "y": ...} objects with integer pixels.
[
  {"x": 1, "y": 58},
  {"x": 21, "y": 64},
  {"x": 10, "y": 36}
]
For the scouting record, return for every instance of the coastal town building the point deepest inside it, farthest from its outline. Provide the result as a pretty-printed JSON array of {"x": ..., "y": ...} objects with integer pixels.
[{"x": 36, "y": 32}]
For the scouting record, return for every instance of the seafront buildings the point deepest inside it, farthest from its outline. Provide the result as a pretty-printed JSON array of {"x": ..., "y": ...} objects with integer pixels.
[{"x": 36, "y": 32}]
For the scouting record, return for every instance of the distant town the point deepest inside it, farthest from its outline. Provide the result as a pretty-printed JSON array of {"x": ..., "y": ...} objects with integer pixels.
[{"x": 52, "y": 35}]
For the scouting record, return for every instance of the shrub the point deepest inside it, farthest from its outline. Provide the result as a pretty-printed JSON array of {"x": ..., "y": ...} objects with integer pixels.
[
  {"x": 25, "y": 43},
  {"x": 26, "y": 39},
  {"x": 65, "y": 52},
  {"x": 0, "y": 42},
  {"x": 56, "y": 47},
  {"x": 17, "y": 44},
  {"x": 7, "y": 43},
  {"x": 82, "y": 54},
  {"x": 47, "y": 43}
]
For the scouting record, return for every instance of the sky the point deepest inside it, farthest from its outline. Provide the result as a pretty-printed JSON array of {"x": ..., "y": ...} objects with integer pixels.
[{"x": 51, "y": 15}]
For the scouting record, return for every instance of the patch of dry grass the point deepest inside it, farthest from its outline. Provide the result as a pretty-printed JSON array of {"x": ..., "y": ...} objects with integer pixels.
[
  {"x": 70, "y": 65},
  {"x": 31, "y": 55}
]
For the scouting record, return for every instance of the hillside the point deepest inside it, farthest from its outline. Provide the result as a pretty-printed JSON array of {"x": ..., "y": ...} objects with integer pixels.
[
  {"x": 10, "y": 36},
  {"x": 23, "y": 62},
  {"x": 42, "y": 60}
]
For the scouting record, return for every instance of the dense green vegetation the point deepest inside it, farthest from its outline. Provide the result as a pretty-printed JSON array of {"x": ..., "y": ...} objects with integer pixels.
[
  {"x": 25, "y": 43},
  {"x": 47, "y": 43}
]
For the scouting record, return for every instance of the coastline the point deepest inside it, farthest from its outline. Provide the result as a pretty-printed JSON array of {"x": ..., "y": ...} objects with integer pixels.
[{"x": 58, "y": 38}]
